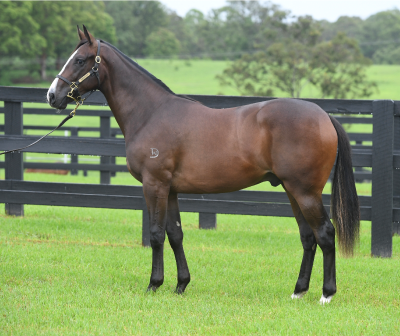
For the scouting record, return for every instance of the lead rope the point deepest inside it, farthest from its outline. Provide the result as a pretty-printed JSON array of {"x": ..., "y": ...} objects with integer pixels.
[{"x": 69, "y": 116}]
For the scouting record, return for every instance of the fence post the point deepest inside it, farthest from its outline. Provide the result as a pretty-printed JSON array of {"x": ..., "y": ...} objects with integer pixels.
[
  {"x": 207, "y": 220},
  {"x": 396, "y": 172},
  {"x": 74, "y": 157},
  {"x": 105, "y": 133},
  {"x": 13, "y": 125},
  {"x": 382, "y": 178}
]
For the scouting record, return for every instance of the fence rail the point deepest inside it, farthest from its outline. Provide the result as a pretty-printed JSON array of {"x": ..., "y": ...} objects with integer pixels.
[{"x": 383, "y": 156}]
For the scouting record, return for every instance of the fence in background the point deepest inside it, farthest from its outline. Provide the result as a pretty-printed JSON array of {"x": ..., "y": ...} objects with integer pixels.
[{"x": 383, "y": 156}]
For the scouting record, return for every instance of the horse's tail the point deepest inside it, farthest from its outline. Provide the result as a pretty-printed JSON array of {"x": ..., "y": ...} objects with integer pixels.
[{"x": 345, "y": 210}]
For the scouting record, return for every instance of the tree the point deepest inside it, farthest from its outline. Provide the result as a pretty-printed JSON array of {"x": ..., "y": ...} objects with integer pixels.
[
  {"x": 58, "y": 20},
  {"x": 162, "y": 43},
  {"x": 19, "y": 33},
  {"x": 352, "y": 26},
  {"x": 380, "y": 31},
  {"x": 387, "y": 55},
  {"x": 336, "y": 68},
  {"x": 134, "y": 22},
  {"x": 341, "y": 69},
  {"x": 285, "y": 65},
  {"x": 290, "y": 60},
  {"x": 249, "y": 75}
]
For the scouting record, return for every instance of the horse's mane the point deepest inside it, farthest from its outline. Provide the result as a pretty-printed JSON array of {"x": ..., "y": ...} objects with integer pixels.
[{"x": 143, "y": 70}]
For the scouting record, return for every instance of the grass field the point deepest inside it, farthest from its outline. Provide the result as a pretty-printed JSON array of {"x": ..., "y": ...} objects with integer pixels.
[
  {"x": 75, "y": 271},
  {"x": 71, "y": 271}
]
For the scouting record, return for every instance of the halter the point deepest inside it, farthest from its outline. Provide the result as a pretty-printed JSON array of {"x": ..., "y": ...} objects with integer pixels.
[
  {"x": 74, "y": 89},
  {"x": 74, "y": 85}
]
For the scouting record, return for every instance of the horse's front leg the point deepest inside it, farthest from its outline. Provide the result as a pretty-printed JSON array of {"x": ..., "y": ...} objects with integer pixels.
[
  {"x": 156, "y": 195},
  {"x": 175, "y": 237}
]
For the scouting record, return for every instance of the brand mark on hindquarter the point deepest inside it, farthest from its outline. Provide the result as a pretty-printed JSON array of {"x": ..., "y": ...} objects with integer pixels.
[{"x": 154, "y": 153}]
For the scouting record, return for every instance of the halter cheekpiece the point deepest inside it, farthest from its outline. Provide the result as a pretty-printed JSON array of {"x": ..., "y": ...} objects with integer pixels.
[{"x": 74, "y": 93}]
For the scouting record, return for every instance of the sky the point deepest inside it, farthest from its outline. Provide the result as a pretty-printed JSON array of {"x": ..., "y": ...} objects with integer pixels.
[{"x": 329, "y": 10}]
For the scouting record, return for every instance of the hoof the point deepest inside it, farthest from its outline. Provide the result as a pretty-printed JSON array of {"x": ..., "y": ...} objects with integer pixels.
[
  {"x": 151, "y": 288},
  {"x": 324, "y": 299},
  {"x": 180, "y": 288},
  {"x": 299, "y": 295}
]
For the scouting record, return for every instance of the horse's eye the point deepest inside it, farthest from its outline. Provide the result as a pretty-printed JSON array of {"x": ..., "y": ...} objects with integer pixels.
[{"x": 80, "y": 62}]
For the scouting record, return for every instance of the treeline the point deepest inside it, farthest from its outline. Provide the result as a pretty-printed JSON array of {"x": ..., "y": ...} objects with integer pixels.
[{"x": 43, "y": 32}]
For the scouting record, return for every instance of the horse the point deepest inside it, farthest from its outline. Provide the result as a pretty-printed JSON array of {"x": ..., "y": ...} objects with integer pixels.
[{"x": 177, "y": 145}]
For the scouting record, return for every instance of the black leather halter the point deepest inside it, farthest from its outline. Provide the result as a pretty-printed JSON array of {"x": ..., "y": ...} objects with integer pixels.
[{"x": 74, "y": 93}]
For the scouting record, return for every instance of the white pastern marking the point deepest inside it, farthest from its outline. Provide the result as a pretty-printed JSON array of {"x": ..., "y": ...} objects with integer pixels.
[
  {"x": 299, "y": 295},
  {"x": 53, "y": 86},
  {"x": 154, "y": 153},
  {"x": 324, "y": 299},
  {"x": 178, "y": 224}
]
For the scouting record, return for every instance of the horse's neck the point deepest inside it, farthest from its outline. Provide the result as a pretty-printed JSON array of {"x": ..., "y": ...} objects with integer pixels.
[{"x": 133, "y": 97}]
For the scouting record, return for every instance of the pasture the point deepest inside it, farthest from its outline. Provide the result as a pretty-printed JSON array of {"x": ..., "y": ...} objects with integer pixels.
[{"x": 68, "y": 271}]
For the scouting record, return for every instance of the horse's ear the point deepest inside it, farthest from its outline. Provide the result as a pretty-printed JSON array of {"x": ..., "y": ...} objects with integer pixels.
[
  {"x": 80, "y": 34},
  {"x": 88, "y": 36}
]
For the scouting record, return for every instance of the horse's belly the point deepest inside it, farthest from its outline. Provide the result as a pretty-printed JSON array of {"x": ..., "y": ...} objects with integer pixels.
[{"x": 218, "y": 177}]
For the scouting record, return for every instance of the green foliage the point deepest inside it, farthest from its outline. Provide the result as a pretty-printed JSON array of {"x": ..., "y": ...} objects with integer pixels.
[
  {"x": 378, "y": 35},
  {"x": 380, "y": 30},
  {"x": 19, "y": 32},
  {"x": 162, "y": 43},
  {"x": 58, "y": 21},
  {"x": 134, "y": 22},
  {"x": 46, "y": 29},
  {"x": 336, "y": 68},
  {"x": 249, "y": 75},
  {"x": 388, "y": 55},
  {"x": 341, "y": 69},
  {"x": 351, "y": 25}
]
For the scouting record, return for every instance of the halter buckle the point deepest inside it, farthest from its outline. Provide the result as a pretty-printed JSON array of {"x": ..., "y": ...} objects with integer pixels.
[{"x": 97, "y": 59}]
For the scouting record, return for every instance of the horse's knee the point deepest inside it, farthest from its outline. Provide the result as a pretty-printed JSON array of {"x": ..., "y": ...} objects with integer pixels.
[
  {"x": 157, "y": 236},
  {"x": 175, "y": 238}
]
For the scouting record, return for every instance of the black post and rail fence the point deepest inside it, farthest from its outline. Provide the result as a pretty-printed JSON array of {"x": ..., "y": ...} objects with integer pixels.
[{"x": 383, "y": 156}]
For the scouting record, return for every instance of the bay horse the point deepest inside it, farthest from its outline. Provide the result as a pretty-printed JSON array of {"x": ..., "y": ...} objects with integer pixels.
[{"x": 176, "y": 145}]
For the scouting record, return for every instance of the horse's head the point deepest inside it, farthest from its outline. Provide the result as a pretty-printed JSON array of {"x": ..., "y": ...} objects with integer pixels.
[{"x": 79, "y": 75}]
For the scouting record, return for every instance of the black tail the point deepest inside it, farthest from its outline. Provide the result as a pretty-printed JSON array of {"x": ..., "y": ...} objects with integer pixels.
[{"x": 345, "y": 210}]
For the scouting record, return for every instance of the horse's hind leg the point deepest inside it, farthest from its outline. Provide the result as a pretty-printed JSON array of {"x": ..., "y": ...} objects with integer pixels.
[
  {"x": 313, "y": 210},
  {"x": 175, "y": 237},
  {"x": 309, "y": 248}
]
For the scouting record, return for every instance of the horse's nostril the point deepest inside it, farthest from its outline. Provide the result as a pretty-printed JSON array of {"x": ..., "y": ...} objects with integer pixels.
[{"x": 52, "y": 98}]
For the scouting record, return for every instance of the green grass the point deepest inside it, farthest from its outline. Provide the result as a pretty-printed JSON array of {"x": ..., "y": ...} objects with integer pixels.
[{"x": 76, "y": 271}]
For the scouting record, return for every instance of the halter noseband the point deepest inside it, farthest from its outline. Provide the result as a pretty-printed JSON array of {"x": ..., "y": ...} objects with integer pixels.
[{"x": 74, "y": 85}]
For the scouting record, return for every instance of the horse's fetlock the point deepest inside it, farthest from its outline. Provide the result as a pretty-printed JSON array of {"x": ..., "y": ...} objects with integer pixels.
[{"x": 329, "y": 290}]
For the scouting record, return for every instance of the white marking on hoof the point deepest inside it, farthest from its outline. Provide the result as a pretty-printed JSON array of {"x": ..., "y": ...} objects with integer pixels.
[
  {"x": 324, "y": 299},
  {"x": 299, "y": 295},
  {"x": 178, "y": 224}
]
